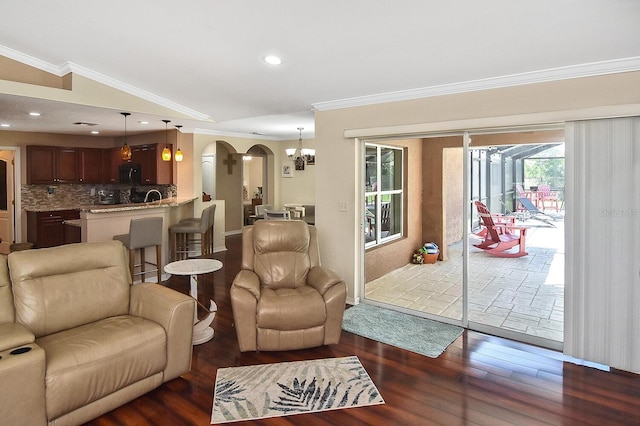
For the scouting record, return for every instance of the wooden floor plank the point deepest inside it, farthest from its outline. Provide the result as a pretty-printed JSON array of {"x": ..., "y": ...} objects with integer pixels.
[{"x": 479, "y": 380}]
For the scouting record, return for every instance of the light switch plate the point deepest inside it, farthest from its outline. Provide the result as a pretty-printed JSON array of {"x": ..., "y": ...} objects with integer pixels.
[{"x": 342, "y": 206}]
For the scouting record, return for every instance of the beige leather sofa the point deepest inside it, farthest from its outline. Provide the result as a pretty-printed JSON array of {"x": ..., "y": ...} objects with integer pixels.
[
  {"x": 283, "y": 298},
  {"x": 78, "y": 340}
]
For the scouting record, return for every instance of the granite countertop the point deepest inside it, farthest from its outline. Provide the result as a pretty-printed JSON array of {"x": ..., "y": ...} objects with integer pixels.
[{"x": 109, "y": 208}]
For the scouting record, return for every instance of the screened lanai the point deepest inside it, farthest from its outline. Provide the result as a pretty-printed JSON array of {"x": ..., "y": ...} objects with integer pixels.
[{"x": 509, "y": 296}]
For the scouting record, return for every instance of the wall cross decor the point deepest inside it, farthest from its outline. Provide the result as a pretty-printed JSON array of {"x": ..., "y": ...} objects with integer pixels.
[{"x": 230, "y": 162}]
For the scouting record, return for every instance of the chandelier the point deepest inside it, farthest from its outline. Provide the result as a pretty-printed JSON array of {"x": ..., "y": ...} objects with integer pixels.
[{"x": 300, "y": 155}]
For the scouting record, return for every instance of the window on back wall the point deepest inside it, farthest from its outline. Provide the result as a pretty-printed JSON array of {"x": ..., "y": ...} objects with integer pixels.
[{"x": 384, "y": 193}]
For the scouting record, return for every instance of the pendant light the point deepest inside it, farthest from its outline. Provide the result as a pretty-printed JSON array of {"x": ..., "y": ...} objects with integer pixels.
[
  {"x": 166, "y": 152},
  {"x": 178, "y": 156},
  {"x": 125, "y": 151}
]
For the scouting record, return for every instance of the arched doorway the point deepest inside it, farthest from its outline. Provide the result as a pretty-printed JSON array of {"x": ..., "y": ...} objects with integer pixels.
[
  {"x": 255, "y": 183},
  {"x": 229, "y": 175}
]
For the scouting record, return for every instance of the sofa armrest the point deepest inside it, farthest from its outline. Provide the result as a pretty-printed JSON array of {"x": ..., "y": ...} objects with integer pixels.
[
  {"x": 13, "y": 335},
  {"x": 174, "y": 311},
  {"x": 22, "y": 386},
  {"x": 245, "y": 292},
  {"x": 322, "y": 279}
]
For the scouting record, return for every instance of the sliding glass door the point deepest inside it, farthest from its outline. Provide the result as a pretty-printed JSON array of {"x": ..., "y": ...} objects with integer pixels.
[
  {"x": 513, "y": 286},
  {"x": 516, "y": 276}
]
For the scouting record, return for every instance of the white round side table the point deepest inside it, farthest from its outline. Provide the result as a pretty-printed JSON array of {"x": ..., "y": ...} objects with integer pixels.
[{"x": 202, "y": 330}]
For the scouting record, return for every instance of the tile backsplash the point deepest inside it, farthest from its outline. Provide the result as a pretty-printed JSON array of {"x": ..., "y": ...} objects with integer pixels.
[{"x": 70, "y": 196}]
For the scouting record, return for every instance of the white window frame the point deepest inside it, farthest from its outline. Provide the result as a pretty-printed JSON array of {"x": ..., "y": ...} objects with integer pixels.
[{"x": 378, "y": 239}]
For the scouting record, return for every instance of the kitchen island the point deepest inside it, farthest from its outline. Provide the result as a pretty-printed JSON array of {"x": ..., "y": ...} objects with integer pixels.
[
  {"x": 71, "y": 223},
  {"x": 102, "y": 222}
]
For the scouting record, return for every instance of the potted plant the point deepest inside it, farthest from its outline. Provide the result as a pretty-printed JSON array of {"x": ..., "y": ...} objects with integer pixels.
[{"x": 428, "y": 253}]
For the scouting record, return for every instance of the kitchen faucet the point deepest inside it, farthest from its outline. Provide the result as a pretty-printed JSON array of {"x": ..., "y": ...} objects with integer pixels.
[{"x": 149, "y": 192}]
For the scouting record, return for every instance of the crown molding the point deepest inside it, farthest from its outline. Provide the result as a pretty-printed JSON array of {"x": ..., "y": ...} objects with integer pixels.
[
  {"x": 68, "y": 67},
  {"x": 127, "y": 88},
  {"x": 553, "y": 74},
  {"x": 29, "y": 60}
]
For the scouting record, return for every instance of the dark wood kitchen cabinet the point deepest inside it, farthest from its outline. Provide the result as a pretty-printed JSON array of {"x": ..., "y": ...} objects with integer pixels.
[
  {"x": 91, "y": 165},
  {"x": 47, "y": 228},
  {"x": 154, "y": 169},
  {"x": 111, "y": 161},
  {"x": 51, "y": 164},
  {"x": 145, "y": 155},
  {"x": 41, "y": 164}
]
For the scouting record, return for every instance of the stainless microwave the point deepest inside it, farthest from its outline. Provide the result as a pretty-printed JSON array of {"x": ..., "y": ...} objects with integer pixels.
[{"x": 130, "y": 173}]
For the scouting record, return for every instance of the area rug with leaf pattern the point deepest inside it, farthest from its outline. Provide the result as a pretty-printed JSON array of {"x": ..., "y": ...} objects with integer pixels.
[{"x": 285, "y": 388}]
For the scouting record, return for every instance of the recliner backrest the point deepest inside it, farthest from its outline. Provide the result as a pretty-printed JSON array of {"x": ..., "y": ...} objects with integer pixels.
[
  {"x": 63, "y": 287},
  {"x": 280, "y": 252}
]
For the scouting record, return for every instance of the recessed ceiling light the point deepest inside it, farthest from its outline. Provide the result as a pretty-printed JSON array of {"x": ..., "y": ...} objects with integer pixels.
[
  {"x": 95, "y": 132},
  {"x": 143, "y": 122},
  {"x": 273, "y": 60},
  {"x": 5, "y": 125},
  {"x": 34, "y": 114}
]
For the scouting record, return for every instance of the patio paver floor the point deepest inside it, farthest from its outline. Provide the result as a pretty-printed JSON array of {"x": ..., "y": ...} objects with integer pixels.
[{"x": 525, "y": 294}]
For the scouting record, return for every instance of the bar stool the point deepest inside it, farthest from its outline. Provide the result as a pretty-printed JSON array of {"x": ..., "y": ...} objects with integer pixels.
[
  {"x": 182, "y": 234},
  {"x": 143, "y": 233},
  {"x": 209, "y": 234}
]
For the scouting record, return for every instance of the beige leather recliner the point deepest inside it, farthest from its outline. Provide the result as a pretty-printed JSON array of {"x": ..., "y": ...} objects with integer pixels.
[
  {"x": 78, "y": 340},
  {"x": 282, "y": 298}
]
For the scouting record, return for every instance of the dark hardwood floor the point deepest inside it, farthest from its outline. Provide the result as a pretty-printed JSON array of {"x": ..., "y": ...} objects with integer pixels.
[{"x": 480, "y": 379}]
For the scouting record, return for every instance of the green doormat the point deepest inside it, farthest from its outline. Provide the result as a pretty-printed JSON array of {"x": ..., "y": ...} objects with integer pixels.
[
  {"x": 285, "y": 388},
  {"x": 404, "y": 331}
]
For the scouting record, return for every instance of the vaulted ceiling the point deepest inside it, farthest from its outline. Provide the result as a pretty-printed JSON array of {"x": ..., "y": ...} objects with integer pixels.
[{"x": 203, "y": 59}]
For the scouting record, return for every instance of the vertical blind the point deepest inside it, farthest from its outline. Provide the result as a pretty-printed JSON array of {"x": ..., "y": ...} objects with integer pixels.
[{"x": 602, "y": 289}]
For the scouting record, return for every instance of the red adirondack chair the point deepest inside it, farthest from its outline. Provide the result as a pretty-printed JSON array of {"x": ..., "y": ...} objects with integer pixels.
[
  {"x": 500, "y": 237},
  {"x": 499, "y": 220},
  {"x": 548, "y": 195}
]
